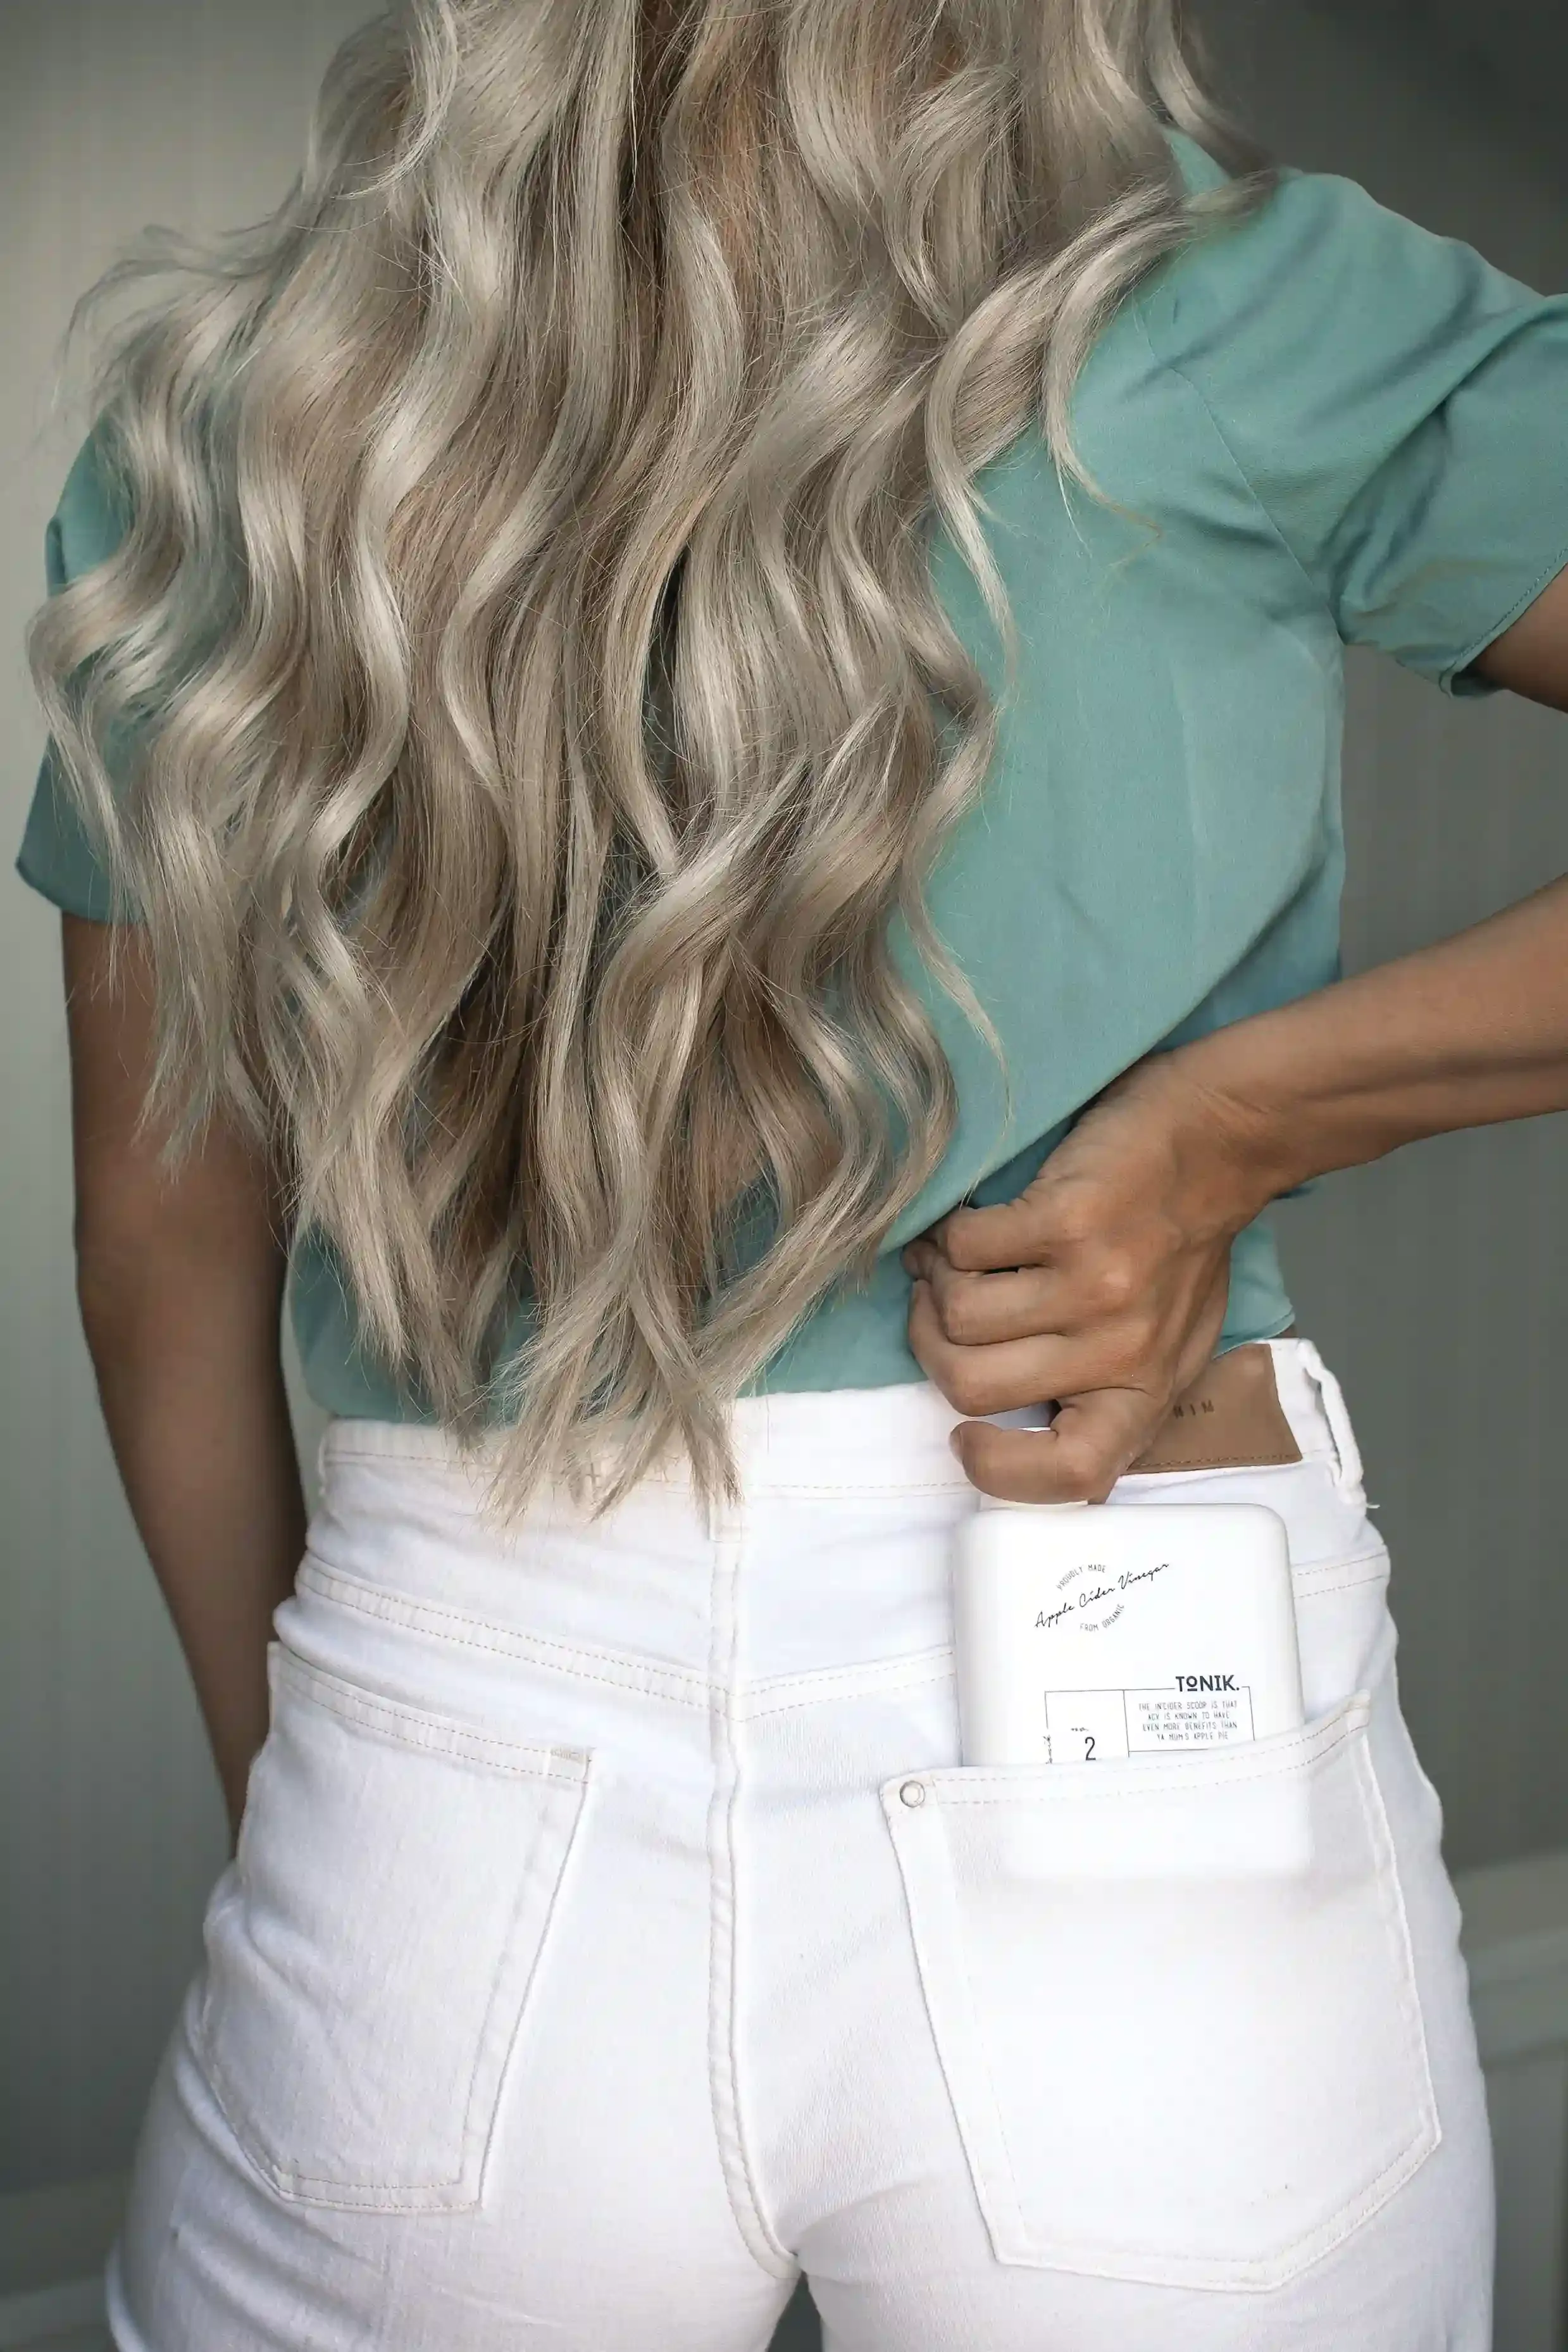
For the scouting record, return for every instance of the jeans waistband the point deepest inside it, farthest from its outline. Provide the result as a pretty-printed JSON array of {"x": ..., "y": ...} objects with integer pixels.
[{"x": 838, "y": 1558}]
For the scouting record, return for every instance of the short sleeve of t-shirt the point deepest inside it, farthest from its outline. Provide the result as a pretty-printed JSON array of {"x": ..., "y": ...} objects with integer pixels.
[
  {"x": 1396, "y": 405},
  {"x": 57, "y": 856}
]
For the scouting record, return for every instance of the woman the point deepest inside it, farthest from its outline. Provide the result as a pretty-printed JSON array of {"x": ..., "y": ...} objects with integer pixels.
[{"x": 716, "y": 989}]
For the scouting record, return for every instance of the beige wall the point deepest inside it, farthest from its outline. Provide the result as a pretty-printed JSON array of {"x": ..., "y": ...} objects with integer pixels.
[
  {"x": 189, "y": 112},
  {"x": 1435, "y": 1282}
]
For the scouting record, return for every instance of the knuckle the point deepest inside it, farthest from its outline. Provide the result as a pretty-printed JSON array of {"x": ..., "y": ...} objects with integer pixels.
[
  {"x": 953, "y": 1238},
  {"x": 1116, "y": 1284},
  {"x": 964, "y": 1386},
  {"x": 958, "y": 1309},
  {"x": 1075, "y": 1218},
  {"x": 960, "y": 1245}
]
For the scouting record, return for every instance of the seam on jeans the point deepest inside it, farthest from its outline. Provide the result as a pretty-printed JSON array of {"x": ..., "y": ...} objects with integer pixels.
[
  {"x": 785, "y": 1693},
  {"x": 1377, "y": 2192},
  {"x": 691, "y": 1690},
  {"x": 1309, "y": 1454},
  {"x": 854, "y": 1481},
  {"x": 1376, "y": 1559},
  {"x": 392, "y": 1717},
  {"x": 587, "y": 1665},
  {"x": 1229, "y": 1462},
  {"x": 774, "y": 1694},
  {"x": 723, "y": 2088}
]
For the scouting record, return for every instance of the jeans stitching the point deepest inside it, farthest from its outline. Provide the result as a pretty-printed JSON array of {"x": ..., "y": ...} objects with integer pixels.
[
  {"x": 921, "y": 1665},
  {"x": 1309, "y": 1454},
  {"x": 854, "y": 1482},
  {"x": 910, "y": 1681},
  {"x": 450, "y": 2192},
  {"x": 626, "y": 1673},
  {"x": 376, "y": 1713},
  {"x": 733, "y": 2158}
]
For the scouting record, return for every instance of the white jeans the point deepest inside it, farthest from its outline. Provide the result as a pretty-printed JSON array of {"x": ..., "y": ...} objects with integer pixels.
[{"x": 615, "y": 1935}]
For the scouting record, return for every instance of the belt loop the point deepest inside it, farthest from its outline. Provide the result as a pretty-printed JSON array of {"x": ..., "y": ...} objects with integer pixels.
[{"x": 1336, "y": 1411}]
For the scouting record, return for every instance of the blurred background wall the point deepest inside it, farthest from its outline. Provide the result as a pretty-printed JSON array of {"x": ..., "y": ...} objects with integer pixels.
[{"x": 1435, "y": 1283}]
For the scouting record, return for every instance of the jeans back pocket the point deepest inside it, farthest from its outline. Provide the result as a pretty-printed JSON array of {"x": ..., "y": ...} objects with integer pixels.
[
  {"x": 370, "y": 1951},
  {"x": 1175, "y": 2001}
]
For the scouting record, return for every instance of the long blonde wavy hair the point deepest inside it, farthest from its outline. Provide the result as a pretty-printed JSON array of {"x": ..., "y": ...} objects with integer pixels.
[{"x": 519, "y": 708}]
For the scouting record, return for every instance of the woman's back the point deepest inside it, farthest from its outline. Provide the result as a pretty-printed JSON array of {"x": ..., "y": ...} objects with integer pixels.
[{"x": 524, "y": 696}]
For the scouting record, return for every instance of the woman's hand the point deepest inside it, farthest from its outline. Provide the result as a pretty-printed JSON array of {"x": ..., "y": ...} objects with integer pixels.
[
  {"x": 1101, "y": 1288},
  {"x": 1121, "y": 1244}
]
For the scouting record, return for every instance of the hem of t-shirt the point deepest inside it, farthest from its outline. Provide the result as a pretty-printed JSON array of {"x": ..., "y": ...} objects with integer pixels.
[
  {"x": 89, "y": 906},
  {"x": 370, "y": 1413},
  {"x": 1448, "y": 675}
]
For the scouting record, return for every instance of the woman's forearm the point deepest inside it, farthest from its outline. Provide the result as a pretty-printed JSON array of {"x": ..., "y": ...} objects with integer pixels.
[
  {"x": 192, "y": 1387},
  {"x": 179, "y": 1276},
  {"x": 1464, "y": 1034}
]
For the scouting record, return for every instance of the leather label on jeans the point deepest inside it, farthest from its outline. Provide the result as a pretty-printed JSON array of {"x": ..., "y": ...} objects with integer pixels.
[{"x": 1231, "y": 1419}]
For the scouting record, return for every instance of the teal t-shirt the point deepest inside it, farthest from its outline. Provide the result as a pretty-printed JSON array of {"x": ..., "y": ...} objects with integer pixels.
[{"x": 1344, "y": 429}]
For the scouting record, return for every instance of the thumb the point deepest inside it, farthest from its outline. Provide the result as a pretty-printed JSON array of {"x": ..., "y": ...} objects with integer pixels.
[
  {"x": 1078, "y": 1459},
  {"x": 1099, "y": 1433}
]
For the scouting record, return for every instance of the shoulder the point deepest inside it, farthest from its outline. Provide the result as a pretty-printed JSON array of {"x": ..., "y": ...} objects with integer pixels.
[
  {"x": 1319, "y": 282},
  {"x": 1392, "y": 401}
]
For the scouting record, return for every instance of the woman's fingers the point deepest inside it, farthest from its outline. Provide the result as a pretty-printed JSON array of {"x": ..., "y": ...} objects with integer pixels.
[
  {"x": 978, "y": 1310},
  {"x": 1101, "y": 1286},
  {"x": 1010, "y": 1232},
  {"x": 1078, "y": 1459},
  {"x": 1101, "y": 1425},
  {"x": 995, "y": 1377},
  {"x": 1066, "y": 1281}
]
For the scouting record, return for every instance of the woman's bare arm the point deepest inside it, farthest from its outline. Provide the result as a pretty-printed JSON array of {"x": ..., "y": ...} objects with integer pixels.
[
  {"x": 180, "y": 1284},
  {"x": 1531, "y": 657}
]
